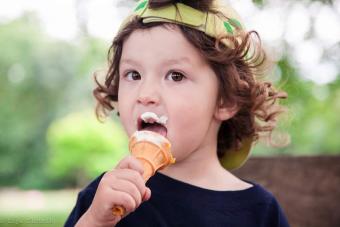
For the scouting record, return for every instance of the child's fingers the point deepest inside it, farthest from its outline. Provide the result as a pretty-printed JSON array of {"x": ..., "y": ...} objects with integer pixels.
[
  {"x": 131, "y": 176},
  {"x": 120, "y": 198},
  {"x": 131, "y": 162},
  {"x": 147, "y": 194},
  {"x": 127, "y": 180},
  {"x": 129, "y": 188}
]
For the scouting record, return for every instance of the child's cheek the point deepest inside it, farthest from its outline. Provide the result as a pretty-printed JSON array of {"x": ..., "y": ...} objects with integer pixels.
[{"x": 184, "y": 133}]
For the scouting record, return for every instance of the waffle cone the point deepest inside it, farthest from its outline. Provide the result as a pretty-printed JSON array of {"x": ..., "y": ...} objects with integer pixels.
[{"x": 153, "y": 150}]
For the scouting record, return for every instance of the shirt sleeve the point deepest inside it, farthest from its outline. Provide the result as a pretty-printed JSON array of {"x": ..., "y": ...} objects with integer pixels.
[
  {"x": 276, "y": 216},
  {"x": 84, "y": 201}
]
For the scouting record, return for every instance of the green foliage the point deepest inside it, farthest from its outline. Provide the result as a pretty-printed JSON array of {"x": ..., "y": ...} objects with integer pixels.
[
  {"x": 82, "y": 148},
  {"x": 311, "y": 119},
  {"x": 29, "y": 87},
  {"x": 40, "y": 79}
]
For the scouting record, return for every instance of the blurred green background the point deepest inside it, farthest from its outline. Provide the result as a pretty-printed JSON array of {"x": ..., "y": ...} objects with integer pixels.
[{"x": 50, "y": 141}]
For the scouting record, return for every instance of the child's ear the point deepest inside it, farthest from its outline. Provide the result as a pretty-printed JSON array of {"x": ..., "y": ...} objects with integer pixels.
[{"x": 224, "y": 112}]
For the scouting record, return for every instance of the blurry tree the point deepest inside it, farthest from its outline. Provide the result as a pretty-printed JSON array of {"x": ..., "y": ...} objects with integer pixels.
[
  {"x": 40, "y": 79},
  {"x": 31, "y": 86},
  {"x": 311, "y": 121},
  {"x": 80, "y": 148}
]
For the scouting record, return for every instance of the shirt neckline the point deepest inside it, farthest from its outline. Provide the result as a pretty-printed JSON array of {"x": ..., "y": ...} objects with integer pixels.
[
  {"x": 169, "y": 181},
  {"x": 164, "y": 186}
]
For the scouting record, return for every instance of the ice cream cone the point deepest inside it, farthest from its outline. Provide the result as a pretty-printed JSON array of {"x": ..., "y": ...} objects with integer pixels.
[{"x": 153, "y": 150}]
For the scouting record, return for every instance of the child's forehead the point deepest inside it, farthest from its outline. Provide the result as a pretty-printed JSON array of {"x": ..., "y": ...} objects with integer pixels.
[
  {"x": 168, "y": 45},
  {"x": 166, "y": 29}
]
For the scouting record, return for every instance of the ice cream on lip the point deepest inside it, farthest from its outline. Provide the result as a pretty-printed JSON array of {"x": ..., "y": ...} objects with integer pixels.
[{"x": 152, "y": 122}]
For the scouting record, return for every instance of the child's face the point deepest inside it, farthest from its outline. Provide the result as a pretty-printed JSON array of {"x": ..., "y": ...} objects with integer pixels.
[{"x": 161, "y": 72}]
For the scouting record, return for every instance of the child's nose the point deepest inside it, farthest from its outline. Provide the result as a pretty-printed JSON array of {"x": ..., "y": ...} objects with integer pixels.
[
  {"x": 146, "y": 100},
  {"x": 148, "y": 93}
]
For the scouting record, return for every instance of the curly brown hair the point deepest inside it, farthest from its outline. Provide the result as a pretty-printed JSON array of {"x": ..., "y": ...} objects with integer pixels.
[{"x": 238, "y": 70}]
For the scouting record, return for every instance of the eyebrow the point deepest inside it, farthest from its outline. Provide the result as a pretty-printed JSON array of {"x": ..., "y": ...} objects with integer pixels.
[
  {"x": 168, "y": 61},
  {"x": 178, "y": 60},
  {"x": 129, "y": 61}
]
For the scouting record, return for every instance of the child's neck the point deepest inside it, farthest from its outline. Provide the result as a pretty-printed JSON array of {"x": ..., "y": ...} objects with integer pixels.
[{"x": 205, "y": 172}]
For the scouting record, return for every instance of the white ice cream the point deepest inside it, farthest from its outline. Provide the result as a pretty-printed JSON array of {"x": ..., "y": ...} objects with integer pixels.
[
  {"x": 150, "y": 136},
  {"x": 151, "y": 117}
]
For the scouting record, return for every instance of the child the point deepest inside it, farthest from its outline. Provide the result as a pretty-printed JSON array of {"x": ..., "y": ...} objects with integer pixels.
[{"x": 194, "y": 63}]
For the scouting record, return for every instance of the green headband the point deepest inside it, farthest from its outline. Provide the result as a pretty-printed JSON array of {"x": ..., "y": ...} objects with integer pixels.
[{"x": 212, "y": 24}]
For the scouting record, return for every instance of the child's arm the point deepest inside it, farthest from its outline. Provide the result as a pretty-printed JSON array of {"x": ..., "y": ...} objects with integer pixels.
[{"x": 123, "y": 186}]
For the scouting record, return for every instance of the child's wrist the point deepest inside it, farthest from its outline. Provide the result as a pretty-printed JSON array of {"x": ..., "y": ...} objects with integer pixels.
[{"x": 87, "y": 220}]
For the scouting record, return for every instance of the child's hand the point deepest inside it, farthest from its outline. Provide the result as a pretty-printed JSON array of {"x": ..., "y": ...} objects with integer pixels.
[{"x": 123, "y": 186}]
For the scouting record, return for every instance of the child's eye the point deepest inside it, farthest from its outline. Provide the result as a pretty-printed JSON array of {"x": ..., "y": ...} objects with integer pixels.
[
  {"x": 175, "y": 76},
  {"x": 132, "y": 75}
]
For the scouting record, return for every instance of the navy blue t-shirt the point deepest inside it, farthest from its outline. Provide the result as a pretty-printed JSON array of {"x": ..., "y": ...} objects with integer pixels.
[{"x": 176, "y": 203}]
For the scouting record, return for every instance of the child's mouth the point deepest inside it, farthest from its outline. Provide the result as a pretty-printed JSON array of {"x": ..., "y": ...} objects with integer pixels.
[{"x": 151, "y": 122}]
